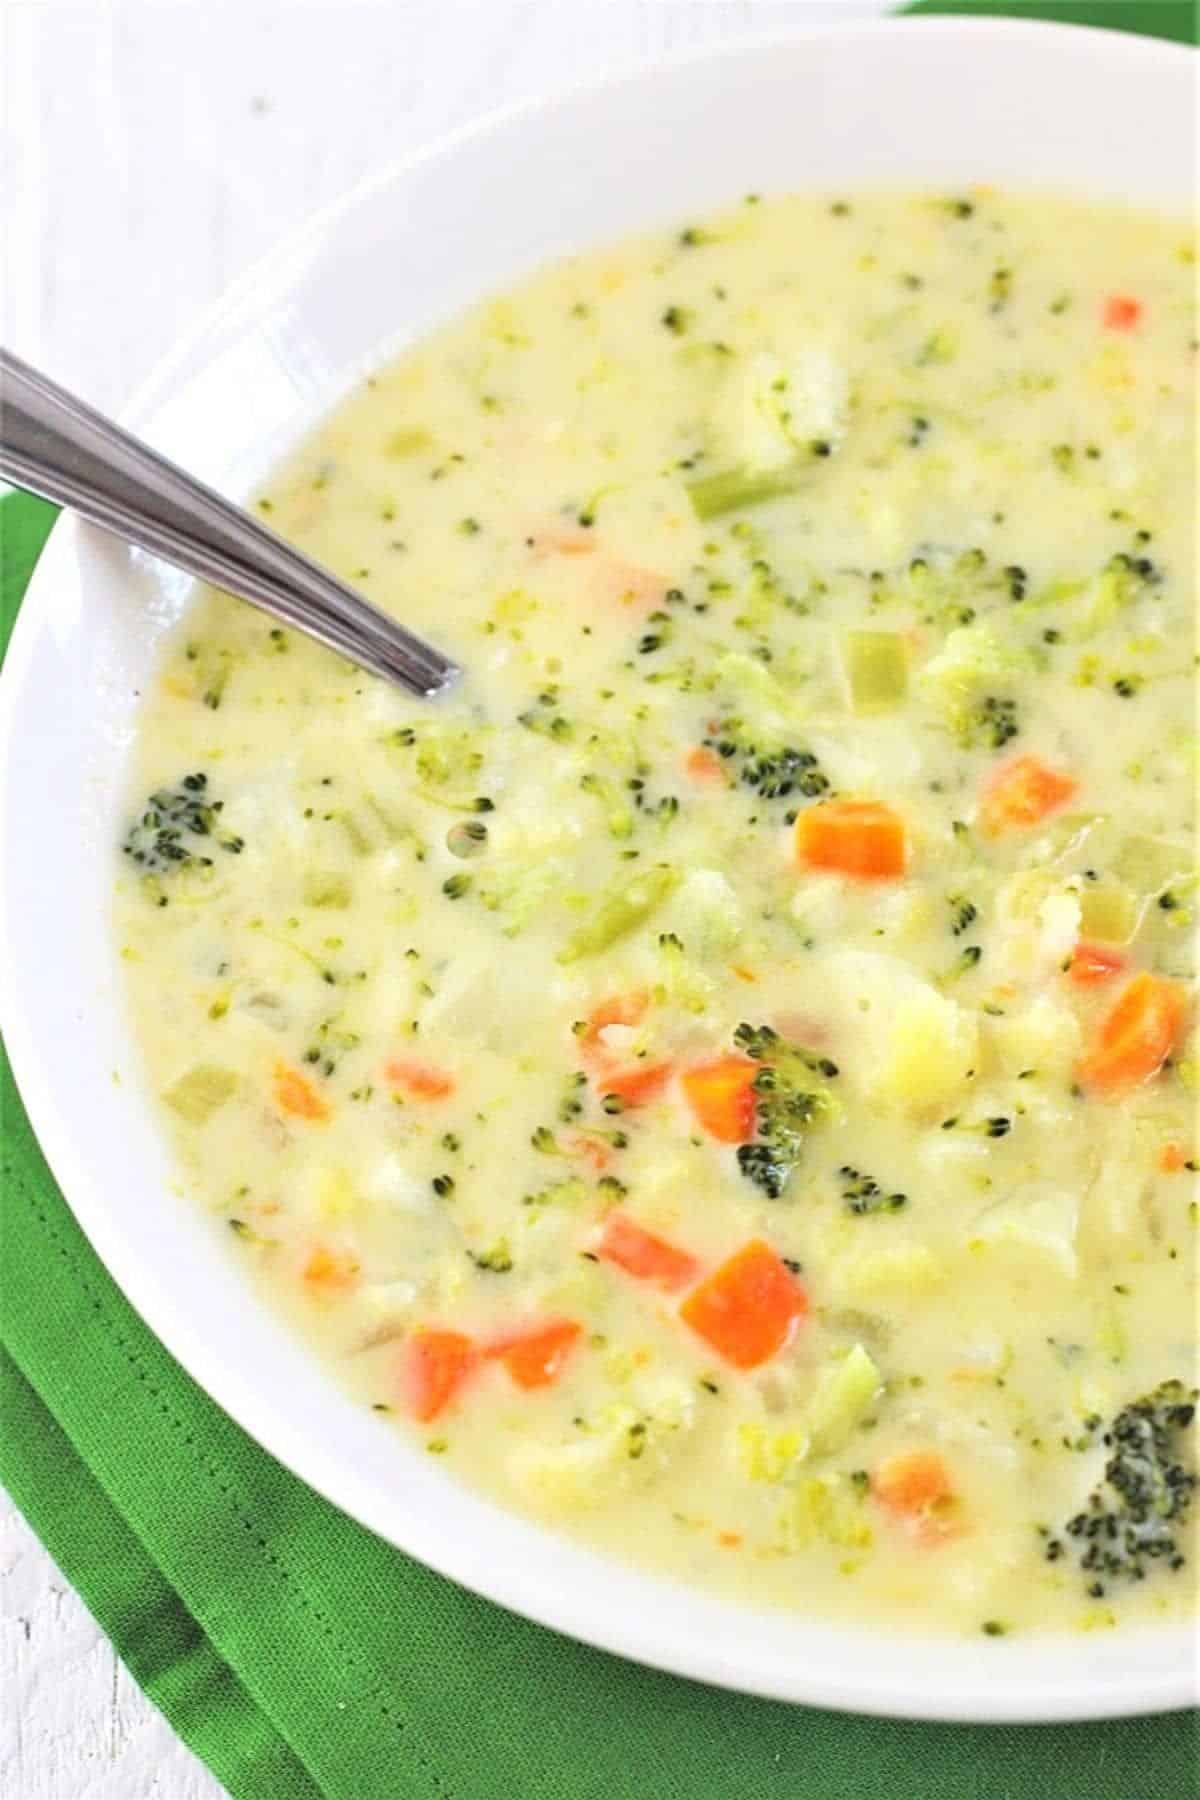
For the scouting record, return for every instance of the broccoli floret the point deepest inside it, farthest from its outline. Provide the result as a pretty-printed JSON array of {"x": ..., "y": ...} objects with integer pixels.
[
  {"x": 542, "y": 715},
  {"x": 168, "y": 834},
  {"x": 1132, "y": 1518},
  {"x": 788, "y": 770},
  {"x": 960, "y": 683},
  {"x": 788, "y": 1104},
  {"x": 773, "y": 774}
]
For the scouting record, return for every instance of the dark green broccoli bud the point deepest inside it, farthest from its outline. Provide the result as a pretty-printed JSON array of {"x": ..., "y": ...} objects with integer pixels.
[
  {"x": 965, "y": 913},
  {"x": 863, "y": 1194},
  {"x": 1133, "y": 1517},
  {"x": 996, "y": 721},
  {"x": 177, "y": 829},
  {"x": 786, "y": 771},
  {"x": 788, "y": 1103},
  {"x": 773, "y": 774}
]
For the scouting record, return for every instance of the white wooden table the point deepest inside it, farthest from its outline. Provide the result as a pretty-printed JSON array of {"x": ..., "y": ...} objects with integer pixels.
[{"x": 151, "y": 150}]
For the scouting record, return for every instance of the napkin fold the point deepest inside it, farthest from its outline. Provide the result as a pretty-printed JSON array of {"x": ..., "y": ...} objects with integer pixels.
[{"x": 300, "y": 1656}]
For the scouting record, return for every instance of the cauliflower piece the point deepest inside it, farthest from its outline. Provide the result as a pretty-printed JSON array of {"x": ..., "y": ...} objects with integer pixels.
[
  {"x": 386, "y": 1303},
  {"x": 628, "y": 1440},
  {"x": 771, "y": 409},
  {"x": 1045, "y": 1037},
  {"x": 389, "y": 1183},
  {"x": 1037, "y": 927},
  {"x": 705, "y": 912}
]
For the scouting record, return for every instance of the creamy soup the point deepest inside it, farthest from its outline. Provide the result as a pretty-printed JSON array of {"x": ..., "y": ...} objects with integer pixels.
[{"x": 722, "y": 1079}]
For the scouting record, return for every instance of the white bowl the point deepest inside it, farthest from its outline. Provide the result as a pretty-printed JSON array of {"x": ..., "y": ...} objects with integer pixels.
[{"x": 936, "y": 102}]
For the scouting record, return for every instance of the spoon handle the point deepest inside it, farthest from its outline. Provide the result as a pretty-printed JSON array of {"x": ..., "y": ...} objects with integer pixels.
[{"x": 54, "y": 445}]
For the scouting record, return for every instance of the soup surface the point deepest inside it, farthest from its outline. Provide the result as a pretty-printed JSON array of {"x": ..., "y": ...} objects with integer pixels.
[{"x": 722, "y": 1079}]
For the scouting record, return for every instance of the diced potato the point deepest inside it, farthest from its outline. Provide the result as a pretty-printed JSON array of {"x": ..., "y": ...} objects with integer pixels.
[
  {"x": 897, "y": 1268},
  {"x": 933, "y": 1047}
]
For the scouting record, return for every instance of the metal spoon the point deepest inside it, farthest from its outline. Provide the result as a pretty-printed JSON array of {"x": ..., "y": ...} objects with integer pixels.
[{"x": 54, "y": 445}]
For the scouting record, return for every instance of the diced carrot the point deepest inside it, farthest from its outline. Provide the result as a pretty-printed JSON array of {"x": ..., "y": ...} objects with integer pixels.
[
  {"x": 729, "y": 1540},
  {"x": 1136, "y": 1036},
  {"x": 1173, "y": 1158},
  {"x": 594, "y": 1149},
  {"x": 1091, "y": 963},
  {"x": 637, "y": 1084},
  {"x": 1022, "y": 792},
  {"x": 437, "y": 1364},
  {"x": 748, "y": 1308},
  {"x": 626, "y": 583},
  {"x": 916, "y": 1489},
  {"x": 1122, "y": 312},
  {"x": 326, "y": 1269},
  {"x": 621, "y": 1009},
  {"x": 418, "y": 1079},
  {"x": 721, "y": 1095},
  {"x": 852, "y": 837},
  {"x": 296, "y": 1095},
  {"x": 535, "y": 1358},
  {"x": 912, "y": 1483},
  {"x": 641, "y": 1253},
  {"x": 703, "y": 764},
  {"x": 559, "y": 540},
  {"x": 742, "y": 974}
]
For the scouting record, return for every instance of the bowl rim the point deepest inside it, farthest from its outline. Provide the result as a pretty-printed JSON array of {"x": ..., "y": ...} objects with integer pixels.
[{"x": 713, "y": 1662}]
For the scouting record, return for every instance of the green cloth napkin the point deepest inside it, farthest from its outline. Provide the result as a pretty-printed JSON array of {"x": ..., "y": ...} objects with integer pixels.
[{"x": 304, "y": 1659}]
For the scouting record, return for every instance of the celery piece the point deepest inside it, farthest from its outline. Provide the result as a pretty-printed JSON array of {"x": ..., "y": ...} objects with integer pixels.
[
  {"x": 324, "y": 888},
  {"x": 730, "y": 490},
  {"x": 766, "y": 1455},
  {"x": 845, "y": 1393},
  {"x": 1107, "y": 911},
  {"x": 876, "y": 665},
  {"x": 1150, "y": 864},
  {"x": 200, "y": 1092},
  {"x": 826, "y": 1510},
  {"x": 620, "y": 913}
]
